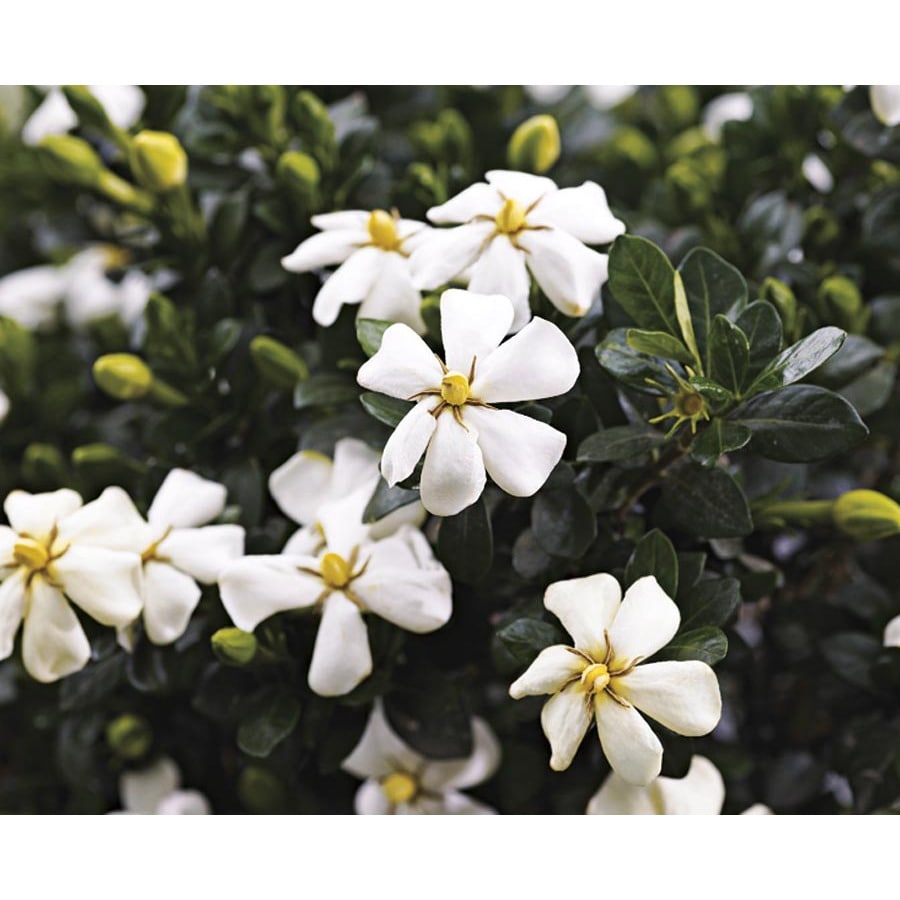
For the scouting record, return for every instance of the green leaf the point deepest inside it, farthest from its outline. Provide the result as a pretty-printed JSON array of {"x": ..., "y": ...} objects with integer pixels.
[
  {"x": 388, "y": 410},
  {"x": 619, "y": 442},
  {"x": 273, "y": 715},
  {"x": 706, "y": 502},
  {"x": 658, "y": 343},
  {"x": 707, "y": 644},
  {"x": 325, "y": 390},
  {"x": 563, "y": 522},
  {"x": 851, "y": 656},
  {"x": 710, "y": 602},
  {"x": 857, "y": 354},
  {"x": 642, "y": 280},
  {"x": 720, "y": 436},
  {"x": 729, "y": 354},
  {"x": 801, "y": 423},
  {"x": 762, "y": 325},
  {"x": 369, "y": 333},
  {"x": 872, "y": 389},
  {"x": 713, "y": 287},
  {"x": 654, "y": 555},
  {"x": 385, "y": 500},
  {"x": 465, "y": 543},
  {"x": 629, "y": 366},
  {"x": 524, "y": 638},
  {"x": 799, "y": 359},
  {"x": 683, "y": 314}
]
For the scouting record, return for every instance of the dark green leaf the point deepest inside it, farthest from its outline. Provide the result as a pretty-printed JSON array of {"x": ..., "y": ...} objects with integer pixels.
[
  {"x": 385, "y": 500},
  {"x": 857, "y": 354},
  {"x": 642, "y": 280},
  {"x": 369, "y": 333},
  {"x": 272, "y": 716},
  {"x": 706, "y": 502},
  {"x": 690, "y": 568},
  {"x": 388, "y": 410},
  {"x": 630, "y": 367},
  {"x": 799, "y": 359},
  {"x": 524, "y": 638},
  {"x": 563, "y": 522},
  {"x": 658, "y": 343},
  {"x": 708, "y": 644},
  {"x": 851, "y": 656},
  {"x": 729, "y": 354},
  {"x": 619, "y": 442},
  {"x": 720, "y": 436},
  {"x": 710, "y": 602},
  {"x": 654, "y": 555},
  {"x": 762, "y": 325},
  {"x": 465, "y": 543},
  {"x": 93, "y": 683},
  {"x": 872, "y": 389},
  {"x": 325, "y": 390}
]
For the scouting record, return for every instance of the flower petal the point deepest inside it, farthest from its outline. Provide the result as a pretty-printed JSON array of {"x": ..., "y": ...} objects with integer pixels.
[
  {"x": 306, "y": 541},
  {"x": 700, "y": 793},
  {"x": 123, "y": 103},
  {"x": 480, "y": 765},
  {"x": 349, "y": 284},
  {"x": 12, "y": 607},
  {"x": 647, "y": 620},
  {"x": 144, "y": 790},
  {"x": 31, "y": 296},
  {"x": 892, "y": 633},
  {"x": 457, "y": 804},
  {"x": 453, "y": 475},
  {"x": 633, "y": 750},
  {"x": 586, "y": 607},
  {"x": 447, "y": 252},
  {"x": 36, "y": 514},
  {"x": 53, "y": 116},
  {"x": 404, "y": 365},
  {"x": 472, "y": 326},
  {"x": 8, "y": 539},
  {"x": 370, "y": 800},
  {"x": 104, "y": 583},
  {"x": 203, "y": 552},
  {"x": 393, "y": 297},
  {"x": 344, "y": 220},
  {"x": 569, "y": 273},
  {"x": 341, "y": 657},
  {"x": 565, "y": 718},
  {"x": 256, "y": 587},
  {"x": 380, "y": 750},
  {"x": 341, "y": 521},
  {"x": 582, "y": 212},
  {"x": 111, "y": 521},
  {"x": 355, "y": 464},
  {"x": 520, "y": 186},
  {"x": 327, "y": 248},
  {"x": 682, "y": 695},
  {"x": 405, "y": 447},
  {"x": 53, "y": 642},
  {"x": 476, "y": 200},
  {"x": 301, "y": 484},
  {"x": 551, "y": 669},
  {"x": 885, "y": 100},
  {"x": 617, "y": 797},
  {"x": 184, "y": 803},
  {"x": 501, "y": 270},
  {"x": 185, "y": 500},
  {"x": 170, "y": 597}
]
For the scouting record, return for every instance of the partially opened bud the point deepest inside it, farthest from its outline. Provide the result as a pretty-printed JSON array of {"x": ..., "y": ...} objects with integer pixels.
[
  {"x": 234, "y": 647},
  {"x": 866, "y": 515},
  {"x": 123, "y": 376},
  {"x": 158, "y": 161},
  {"x": 276, "y": 362},
  {"x": 69, "y": 159},
  {"x": 300, "y": 173},
  {"x": 535, "y": 145}
]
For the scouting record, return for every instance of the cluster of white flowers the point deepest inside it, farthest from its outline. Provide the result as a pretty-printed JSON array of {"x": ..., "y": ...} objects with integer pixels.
[{"x": 156, "y": 791}]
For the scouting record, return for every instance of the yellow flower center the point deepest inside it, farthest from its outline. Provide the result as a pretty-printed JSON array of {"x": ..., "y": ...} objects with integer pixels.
[
  {"x": 595, "y": 677},
  {"x": 455, "y": 388},
  {"x": 335, "y": 571},
  {"x": 689, "y": 404},
  {"x": 383, "y": 230},
  {"x": 399, "y": 787},
  {"x": 31, "y": 554},
  {"x": 511, "y": 218}
]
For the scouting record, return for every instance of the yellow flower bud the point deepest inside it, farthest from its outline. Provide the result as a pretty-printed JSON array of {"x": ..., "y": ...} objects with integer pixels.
[
  {"x": 158, "y": 161},
  {"x": 300, "y": 173},
  {"x": 277, "y": 363},
  {"x": 70, "y": 159},
  {"x": 535, "y": 145},
  {"x": 123, "y": 376},
  {"x": 866, "y": 515},
  {"x": 129, "y": 736},
  {"x": 234, "y": 647},
  {"x": 841, "y": 300},
  {"x": 782, "y": 298}
]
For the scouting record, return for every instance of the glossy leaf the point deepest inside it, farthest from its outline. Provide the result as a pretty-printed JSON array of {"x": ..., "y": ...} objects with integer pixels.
[
  {"x": 619, "y": 442},
  {"x": 729, "y": 354},
  {"x": 720, "y": 436},
  {"x": 642, "y": 280},
  {"x": 654, "y": 555},
  {"x": 799, "y": 359},
  {"x": 706, "y": 502},
  {"x": 388, "y": 410},
  {"x": 708, "y": 644},
  {"x": 369, "y": 333},
  {"x": 465, "y": 543},
  {"x": 658, "y": 343}
]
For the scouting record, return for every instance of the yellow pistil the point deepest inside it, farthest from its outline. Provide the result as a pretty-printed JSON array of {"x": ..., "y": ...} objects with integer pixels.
[
  {"x": 335, "y": 571},
  {"x": 383, "y": 230},
  {"x": 595, "y": 677},
  {"x": 511, "y": 218},
  {"x": 399, "y": 787},
  {"x": 31, "y": 554},
  {"x": 455, "y": 388},
  {"x": 152, "y": 552}
]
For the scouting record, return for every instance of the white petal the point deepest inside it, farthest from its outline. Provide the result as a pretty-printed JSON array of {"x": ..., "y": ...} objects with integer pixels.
[
  {"x": 457, "y": 804},
  {"x": 4, "y": 406},
  {"x": 404, "y": 448},
  {"x": 552, "y": 668},
  {"x": 565, "y": 719},
  {"x": 53, "y": 116},
  {"x": 408, "y": 229},
  {"x": 453, "y": 475},
  {"x": 31, "y": 296},
  {"x": 345, "y": 220},
  {"x": 633, "y": 750},
  {"x": 758, "y": 809},
  {"x": 170, "y": 597},
  {"x": 520, "y": 186},
  {"x": 256, "y": 587},
  {"x": 143, "y": 791},
  {"x": 134, "y": 292},
  {"x": 447, "y": 252},
  {"x": 111, "y": 521},
  {"x": 700, "y": 793},
  {"x": 8, "y": 539},
  {"x": 341, "y": 657},
  {"x": 647, "y": 620},
  {"x": 817, "y": 173},
  {"x": 519, "y": 452},
  {"x": 885, "y": 100},
  {"x": 569, "y": 273},
  {"x": 617, "y": 797},
  {"x": 501, "y": 270},
  {"x": 582, "y": 211},
  {"x": 307, "y": 541},
  {"x": 547, "y": 94},
  {"x": 12, "y": 607},
  {"x": 393, "y": 296},
  {"x": 380, "y": 750},
  {"x": 606, "y": 96},
  {"x": 736, "y": 106},
  {"x": 185, "y": 500},
  {"x": 413, "y": 514},
  {"x": 892, "y": 633},
  {"x": 403, "y": 365},
  {"x": 682, "y": 695},
  {"x": 53, "y": 642},
  {"x": 104, "y": 583},
  {"x": 184, "y": 803},
  {"x": 480, "y": 765},
  {"x": 123, "y": 103},
  {"x": 370, "y": 800},
  {"x": 586, "y": 607},
  {"x": 301, "y": 485},
  {"x": 355, "y": 464},
  {"x": 36, "y": 514},
  {"x": 203, "y": 552},
  {"x": 472, "y": 326},
  {"x": 476, "y": 200},
  {"x": 349, "y": 284},
  {"x": 341, "y": 521},
  {"x": 325, "y": 249},
  {"x": 404, "y": 583}
]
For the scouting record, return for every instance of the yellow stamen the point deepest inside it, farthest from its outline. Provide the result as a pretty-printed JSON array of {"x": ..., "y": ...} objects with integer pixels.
[
  {"x": 335, "y": 571},
  {"x": 399, "y": 787},
  {"x": 511, "y": 218},
  {"x": 455, "y": 388},
  {"x": 595, "y": 677},
  {"x": 30, "y": 554},
  {"x": 383, "y": 230}
]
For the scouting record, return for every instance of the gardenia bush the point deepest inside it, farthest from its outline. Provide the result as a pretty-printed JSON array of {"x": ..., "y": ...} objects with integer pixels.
[{"x": 450, "y": 450}]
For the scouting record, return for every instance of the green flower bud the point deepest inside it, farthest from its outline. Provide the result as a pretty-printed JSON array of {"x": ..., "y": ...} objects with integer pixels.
[
  {"x": 630, "y": 145},
  {"x": 842, "y": 302},
  {"x": 129, "y": 736},
  {"x": 821, "y": 227},
  {"x": 866, "y": 515},
  {"x": 44, "y": 467},
  {"x": 535, "y": 145},
  {"x": 123, "y": 376},
  {"x": 457, "y": 134},
  {"x": 234, "y": 647},
  {"x": 158, "y": 161},
  {"x": 70, "y": 160},
  {"x": 277, "y": 363},
  {"x": 782, "y": 298},
  {"x": 260, "y": 790},
  {"x": 428, "y": 188},
  {"x": 300, "y": 173}
]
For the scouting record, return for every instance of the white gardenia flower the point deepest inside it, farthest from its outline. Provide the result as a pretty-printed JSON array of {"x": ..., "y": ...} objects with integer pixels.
[
  {"x": 400, "y": 781},
  {"x": 454, "y": 422},
  {"x": 604, "y": 676},
  {"x": 892, "y": 633},
  {"x": 817, "y": 173},
  {"x": 154, "y": 791},
  {"x": 372, "y": 252},
  {"x": 4, "y": 407},
  {"x": 48, "y": 557},
  {"x": 606, "y": 96},
  {"x": 515, "y": 224},
  {"x": 885, "y": 100},
  {"x": 123, "y": 103},
  {"x": 736, "y": 106}
]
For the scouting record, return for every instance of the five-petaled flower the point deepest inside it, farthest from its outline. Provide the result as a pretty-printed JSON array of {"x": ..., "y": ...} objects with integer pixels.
[
  {"x": 604, "y": 676},
  {"x": 400, "y": 781},
  {"x": 455, "y": 423},
  {"x": 518, "y": 223},
  {"x": 373, "y": 250},
  {"x": 156, "y": 791}
]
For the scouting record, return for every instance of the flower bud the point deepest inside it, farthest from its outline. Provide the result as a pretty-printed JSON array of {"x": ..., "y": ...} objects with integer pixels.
[
  {"x": 158, "y": 161},
  {"x": 260, "y": 790},
  {"x": 44, "y": 467},
  {"x": 70, "y": 160},
  {"x": 534, "y": 145},
  {"x": 129, "y": 736},
  {"x": 234, "y": 647},
  {"x": 277, "y": 363},
  {"x": 630, "y": 146},
  {"x": 842, "y": 302},
  {"x": 782, "y": 298},
  {"x": 300, "y": 173},
  {"x": 123, "y": 376},
  {"x": 866, "y": 515}
]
